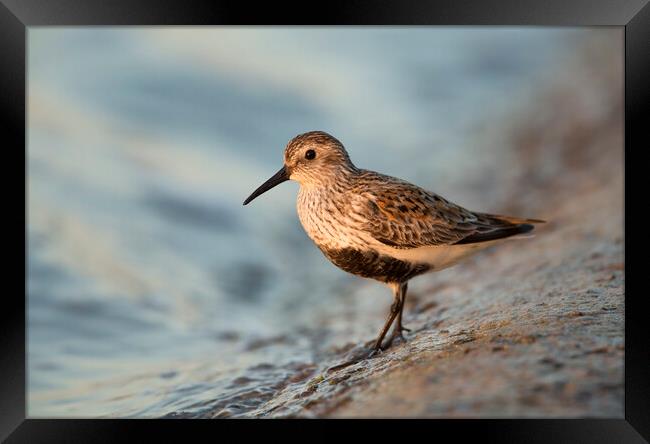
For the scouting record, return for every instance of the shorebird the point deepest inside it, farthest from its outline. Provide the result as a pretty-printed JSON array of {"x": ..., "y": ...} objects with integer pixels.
[{"x": 381, "y": 227}]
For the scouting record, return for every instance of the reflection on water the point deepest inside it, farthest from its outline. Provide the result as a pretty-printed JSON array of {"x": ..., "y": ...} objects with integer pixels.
[{"x": 151, "y": 290}]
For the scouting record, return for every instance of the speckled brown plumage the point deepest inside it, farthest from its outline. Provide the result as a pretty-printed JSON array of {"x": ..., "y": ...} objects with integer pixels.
[
  {"x": 403, "y": 215},
  {"x": 381, "y": 227}
]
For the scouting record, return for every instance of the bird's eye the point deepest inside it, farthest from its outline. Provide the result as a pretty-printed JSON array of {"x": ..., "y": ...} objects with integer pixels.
[{"x": 310, "y": 154}]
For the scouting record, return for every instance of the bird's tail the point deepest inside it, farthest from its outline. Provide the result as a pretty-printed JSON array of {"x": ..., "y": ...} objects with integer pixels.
[
  {"x": 494, "y": 226},
  {"x": 514, "y": 220}
]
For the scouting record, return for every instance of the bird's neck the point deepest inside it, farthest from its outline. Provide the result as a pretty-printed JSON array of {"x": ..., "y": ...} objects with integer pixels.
[{"x": 333, "y": 181}]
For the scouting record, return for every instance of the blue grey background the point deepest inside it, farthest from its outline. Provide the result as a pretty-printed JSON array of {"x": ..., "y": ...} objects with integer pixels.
[{"x": 150, "y": 286}]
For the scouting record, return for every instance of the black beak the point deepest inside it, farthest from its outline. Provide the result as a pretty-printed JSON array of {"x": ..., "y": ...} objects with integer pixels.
[{"x": 277, "y": 179}]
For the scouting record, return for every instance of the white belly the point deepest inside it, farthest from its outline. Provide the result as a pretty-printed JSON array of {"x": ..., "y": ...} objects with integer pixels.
[{"x": 437, "y": 257}]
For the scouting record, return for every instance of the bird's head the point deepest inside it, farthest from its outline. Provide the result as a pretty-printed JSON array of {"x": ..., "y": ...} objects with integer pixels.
[{"x": 311, "y": 159}]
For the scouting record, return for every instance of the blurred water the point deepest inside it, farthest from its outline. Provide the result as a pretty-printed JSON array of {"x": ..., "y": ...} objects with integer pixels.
[{"x": 151, "y": 289}]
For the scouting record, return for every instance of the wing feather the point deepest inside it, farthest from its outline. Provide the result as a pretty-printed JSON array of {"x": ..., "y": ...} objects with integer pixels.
[{"x": 402, "y": 215}]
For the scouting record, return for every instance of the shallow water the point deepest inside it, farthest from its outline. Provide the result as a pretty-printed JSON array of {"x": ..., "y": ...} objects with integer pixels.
[{"x": 151, "y": 290}]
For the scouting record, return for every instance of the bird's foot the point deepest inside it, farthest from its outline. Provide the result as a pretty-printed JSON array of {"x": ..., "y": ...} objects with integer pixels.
[
  {"x": 397, "y": 336},
  {"x": 342, "y": 365},
  {"x": 375, "y": 352},
  {"x": 356, "y": 357}
]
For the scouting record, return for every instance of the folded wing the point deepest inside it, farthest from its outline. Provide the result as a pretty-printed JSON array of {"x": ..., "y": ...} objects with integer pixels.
[{"x": 402, "y": 215}]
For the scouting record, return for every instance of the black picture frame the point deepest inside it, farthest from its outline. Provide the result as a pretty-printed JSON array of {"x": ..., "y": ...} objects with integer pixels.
[{"x": 17, "y": 15}]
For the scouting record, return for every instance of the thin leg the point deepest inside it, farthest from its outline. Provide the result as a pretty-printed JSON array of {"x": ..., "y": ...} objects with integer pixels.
[
  {"x": 399, "y": 296},
  {"x": 394, "y": 311},
  {"x": 399, "y": 328}
]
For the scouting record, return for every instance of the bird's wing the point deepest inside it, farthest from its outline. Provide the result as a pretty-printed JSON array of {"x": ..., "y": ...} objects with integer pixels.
[{"x": 402, "y": 215}]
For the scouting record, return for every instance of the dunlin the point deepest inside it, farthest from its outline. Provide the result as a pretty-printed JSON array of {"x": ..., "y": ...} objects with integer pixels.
[{"x": 381, "y": 227}]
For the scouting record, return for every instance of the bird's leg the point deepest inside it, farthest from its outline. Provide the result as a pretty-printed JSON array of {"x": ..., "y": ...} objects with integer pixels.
[
  {"x": 394, "y": 311},
  {"x": 399, "y": 328},
  {"x": 399, "y": 292}
]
